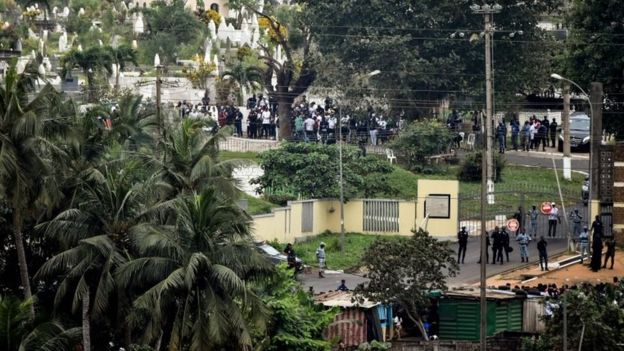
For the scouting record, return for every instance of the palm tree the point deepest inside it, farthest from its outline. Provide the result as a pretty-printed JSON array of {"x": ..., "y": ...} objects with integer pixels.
[
  {"x": 121, "y": 56},
  {"x": 132, "y": 123},
  {"x": 192, "y": 161},
  {"x": 18, "y": 332},
  {"x": 91, "y": 61},
  {"x": 94, "y": 234},
  {"x": 196, "y": 276},
  {"x": 25, "y": 128},
  {"x": 246, "y": 77}
]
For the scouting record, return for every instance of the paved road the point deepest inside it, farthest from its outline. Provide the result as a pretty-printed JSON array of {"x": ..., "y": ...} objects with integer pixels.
[
  {"x": 470, "y": 271},
  {"x": 580, "y": 161}
]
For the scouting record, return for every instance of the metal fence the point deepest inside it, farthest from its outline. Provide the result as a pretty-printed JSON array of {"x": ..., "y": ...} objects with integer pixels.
[
  {"x": 381, "y": 216},
  {"x": 307, "y": 217},
  {"x": 247, "y": 145}
]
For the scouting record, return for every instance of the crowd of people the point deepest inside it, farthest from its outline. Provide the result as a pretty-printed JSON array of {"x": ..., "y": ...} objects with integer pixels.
[
  {"x": 535, "y": 133},
  {"x": 500, "y": 240}
]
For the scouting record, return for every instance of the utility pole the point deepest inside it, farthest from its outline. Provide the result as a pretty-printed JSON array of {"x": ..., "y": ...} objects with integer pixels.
[
  {"x": 595, "y": 98},
  {"x": 159, "y": 137},
  {"x": 487, "y": 164},
  {"x": 565, "y": 120},
  {"x": 342, "y": 227},
  {"x": 565, "y": 320}
]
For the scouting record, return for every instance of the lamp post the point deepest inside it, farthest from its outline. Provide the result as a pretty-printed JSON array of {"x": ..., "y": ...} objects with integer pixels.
[
  {"x": 487, "y": 164},
  {"x": 592, "y": 142},
  {"x": 341, "y": 183}
]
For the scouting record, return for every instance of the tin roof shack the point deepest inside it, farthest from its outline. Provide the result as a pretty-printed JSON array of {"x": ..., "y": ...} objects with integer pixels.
[
  {"x": 459, "y": 314},
  {"x": 356, "y": 323}
]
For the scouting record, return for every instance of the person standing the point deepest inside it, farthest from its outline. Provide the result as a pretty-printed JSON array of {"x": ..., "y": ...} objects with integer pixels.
[
  {"x": 501, "y": 134},
  {"x": 543, "y": 136},
  {"x": 553, "y": 132},
  {"x": 576, "y": 219},
  {"x": 505, "y": 239},
  {"x": 584, "y": 243},
  {"x": 291, "y": 257},
  {"x": 543, "y": 253},
  {"x": 497, "y": 246},
  {"x": 596, "y": 259},
  {"x": 553, "y": 218},
  {"x": 515, "y": 130},
  {"x": 266, "y": 122},
  {"x": 525, "y": 138},
  {"x": 610, "y": 253},
  {"x": 533, "y": 216},
  {"x": 309, "y": 124},
  {"x": 597, "y": 227},
  {"x": 523, "y": 240},
  {"x": 462, "y": 239},
  {"x": 320, "y": 257}
]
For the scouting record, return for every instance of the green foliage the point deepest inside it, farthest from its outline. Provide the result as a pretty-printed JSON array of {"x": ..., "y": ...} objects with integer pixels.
[
  {"x": 593, "y": 54},
  {"x": 420, "y": 140},
  {"x": 404, "y": 271},
  {"x": 470, "y": 168},
  {"x": 311, "y": 171},
  {"x": 601, "y": 313},
  {"x": 295, "y": 321},
  {"x": 375, "y": 346}
]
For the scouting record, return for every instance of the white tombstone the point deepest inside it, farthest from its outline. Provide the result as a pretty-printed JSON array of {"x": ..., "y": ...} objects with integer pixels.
[
  {"x": 207, "y": 54},
  {"x": 58, "y": 28},
  {"x": 122, "y": 6},
  {"x": 79, "y": 47},
  {"x": 62, "y": 44},
  {"x": 33, "y": 54},
  {"x": 222, "y": 27},
  {"x": 65, "y": 12},
  {"x": 135, "y": 45},
  {"x": 100, "y": 42},
  {"x": 41, "y": 70},
  {"x": 230, "y": 32},
  {"x": 31, "y": 34},
  {"x": 215, "y": 61},
  {"x": 54, "y": 11},
  {"x": 212, "y": 29},
  {"x": 130, "y": 5},
  {"x": 81, "y": 12},
  {"x": 41, "y": 46},
  {"x": 260, "y": 5},
  {"x": 138, "y": 26},
  {"x": 47, "y": 64},
  {"x": 156, "y": 60},
  {"x": 45, "y": 35},
  {"x": 115, "y": 40}
]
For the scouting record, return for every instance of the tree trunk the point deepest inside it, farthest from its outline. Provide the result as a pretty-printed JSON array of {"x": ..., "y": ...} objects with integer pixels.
[
  {"x": 86, "y": 326},
  {"x": 21, "y": 258},
  {"x": 283, "y": 111},
  {"x": 419, "y": 323}
]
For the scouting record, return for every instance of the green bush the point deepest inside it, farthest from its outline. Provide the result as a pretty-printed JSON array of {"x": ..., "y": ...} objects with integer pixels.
[
  {"x": 470, "y": 168},
  {"x": 280, "y": 199},
  {"x": 421, "y": 140}
]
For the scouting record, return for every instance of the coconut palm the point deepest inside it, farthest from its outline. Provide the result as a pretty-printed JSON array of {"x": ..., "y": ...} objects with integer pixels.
[
  {"x": 191, "y": 160},
  {"x": 121, "y": 56},
  {"x": 91, "y": 61},
  {"x": 18, "y": 332},
  {"x": 196, "y": 275},
  {"x": 247, "y": 77},
  {"x": 26, "y": 125},
  {"x": 94, "y": 234}
]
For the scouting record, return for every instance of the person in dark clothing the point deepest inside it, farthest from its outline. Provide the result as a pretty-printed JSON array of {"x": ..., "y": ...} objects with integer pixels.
[
  {"x": 515, "y": 131},
  {"x": 519, "y": 216},
  {"x": 497, "y": 246},
  {"x": 505, "y": 240},
  {"x": 342, "y": 286},
  {"x": 543, "y": 253},
  {"x": 487, "y": 245},
  {"x": 597, "y": 227},
  {"x": 596, "y": 258},
  {"x": 238, "y": 122},
  {"x": 501, "y": 134},
  {"x": 553, "y": 132},
  {"x": 291, "y": 257},
  {"x": 610, "y": 253},
  {"x": 543, "y": 134},
  {"x": 462, "y": 239}
]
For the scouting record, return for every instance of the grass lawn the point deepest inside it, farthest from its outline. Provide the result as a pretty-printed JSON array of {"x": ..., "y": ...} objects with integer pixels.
[
  {"x": 258, "y": 206},
  {"x": 234, "y": 155},
  {"x": 355, "y": 244}
]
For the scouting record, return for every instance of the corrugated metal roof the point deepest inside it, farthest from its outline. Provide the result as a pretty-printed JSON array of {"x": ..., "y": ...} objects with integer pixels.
[
  {"x": 342, "y": 299},
  {"x": 349, "y": 327}
]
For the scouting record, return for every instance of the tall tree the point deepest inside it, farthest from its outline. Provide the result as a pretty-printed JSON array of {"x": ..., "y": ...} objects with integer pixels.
[
  {"x": 593, "y": 53},
  {"x": 429, "y": 51},
  {"x": 196, "y": 277},
  {"x": 91, "y": 61},
  {"x": 25, "y": 126},
  {"x": 405, "y": 271},
  {"x": 287, "y": 28}
]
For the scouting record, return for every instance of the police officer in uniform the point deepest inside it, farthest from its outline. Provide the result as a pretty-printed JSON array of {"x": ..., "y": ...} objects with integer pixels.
[{"x": 462, "y": 239}]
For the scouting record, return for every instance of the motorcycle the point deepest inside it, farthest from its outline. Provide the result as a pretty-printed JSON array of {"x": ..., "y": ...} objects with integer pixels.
[{"x": 585, "y": 191}]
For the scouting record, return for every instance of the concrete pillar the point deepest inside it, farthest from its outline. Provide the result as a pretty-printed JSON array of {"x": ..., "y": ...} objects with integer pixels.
[{"x": 618, "y": 193}]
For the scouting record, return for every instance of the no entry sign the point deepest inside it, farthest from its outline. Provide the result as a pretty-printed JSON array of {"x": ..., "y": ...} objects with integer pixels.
[{"x": 546, "y": 207}]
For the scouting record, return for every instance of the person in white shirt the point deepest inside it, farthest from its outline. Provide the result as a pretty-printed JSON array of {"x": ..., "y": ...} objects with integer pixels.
[
  {"x": 331, "y": 127},
  {"x": 266, "y": 122},
  {"x": 532, "y": 132},
  {"x": 553, "y": 218},
  {"x": 309, "y": 125}
]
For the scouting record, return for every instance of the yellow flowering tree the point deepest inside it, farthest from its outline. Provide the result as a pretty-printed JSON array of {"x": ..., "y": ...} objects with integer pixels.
[{"x": 199, "y": 74}]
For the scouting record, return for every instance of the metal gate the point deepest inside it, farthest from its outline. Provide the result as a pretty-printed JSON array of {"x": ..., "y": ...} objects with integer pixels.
[
  {"x": 518, "y": 199},
  {"x": 381, "y": 216}
]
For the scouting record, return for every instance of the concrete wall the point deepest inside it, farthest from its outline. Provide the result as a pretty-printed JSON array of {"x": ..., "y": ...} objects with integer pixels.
[{"x": 285, "y": 224}]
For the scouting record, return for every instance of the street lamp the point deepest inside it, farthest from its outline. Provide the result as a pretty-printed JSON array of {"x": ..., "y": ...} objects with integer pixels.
[
  {"x": 591, "y": 134},
  {"x": 487, "y": 164},
  {"x": 341, "y": 183}
]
